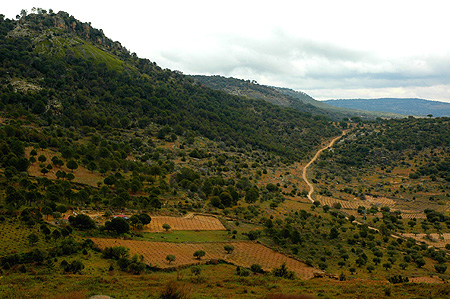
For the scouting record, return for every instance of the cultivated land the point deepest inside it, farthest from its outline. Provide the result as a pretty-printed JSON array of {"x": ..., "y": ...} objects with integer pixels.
[
  {"x": 244, "y": 254},
  {"x": 191, "y": 221},
  {"x": 332, "y": 208}
]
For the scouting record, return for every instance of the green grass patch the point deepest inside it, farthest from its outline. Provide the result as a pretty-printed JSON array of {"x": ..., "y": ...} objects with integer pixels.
[{"x": 188, "y": 236}]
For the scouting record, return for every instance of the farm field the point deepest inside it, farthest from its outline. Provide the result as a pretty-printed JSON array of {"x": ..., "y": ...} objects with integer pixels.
[
  {"x": 188, "y": 222},
  {"x": 245, "y": 254}
]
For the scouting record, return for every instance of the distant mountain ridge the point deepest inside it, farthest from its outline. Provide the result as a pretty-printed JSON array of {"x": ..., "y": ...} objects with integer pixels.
[
  {"x": 284, "y": 97},
  {"x": 406, "y": 106}
]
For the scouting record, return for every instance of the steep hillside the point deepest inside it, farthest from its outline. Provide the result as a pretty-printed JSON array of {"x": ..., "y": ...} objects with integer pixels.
[
  {"x": 73, "y": 75},
  {"x": 285, "y": 97},
  {"x": 417, "y": 107}
]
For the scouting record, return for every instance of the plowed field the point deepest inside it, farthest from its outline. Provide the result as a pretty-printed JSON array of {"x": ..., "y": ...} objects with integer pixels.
[
  {"x": 244, "y": 254},
  {"x": 189, "y": 222}
]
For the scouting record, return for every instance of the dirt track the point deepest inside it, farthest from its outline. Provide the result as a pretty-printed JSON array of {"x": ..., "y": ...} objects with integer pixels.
[{"x": 305, "y": 178}]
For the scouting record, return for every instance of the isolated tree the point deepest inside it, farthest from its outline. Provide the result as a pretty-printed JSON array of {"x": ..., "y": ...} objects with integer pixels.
[
  {"x": 199, "y": 254},
  {"x": 72, "y": 165},
  {"x": 229, "y": 248},
  {"x": 420, "y": 262},
  {"x": 387, "y": 266},
  {"x": 42, "y": 158},
  {"x": 170, "y": 258},
  {"x": 166, "y": 227},
  {"x": 44, "y": 171}
]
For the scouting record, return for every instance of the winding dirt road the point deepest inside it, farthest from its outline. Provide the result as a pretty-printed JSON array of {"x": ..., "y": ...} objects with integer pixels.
[{"x": 305, "y": 178}]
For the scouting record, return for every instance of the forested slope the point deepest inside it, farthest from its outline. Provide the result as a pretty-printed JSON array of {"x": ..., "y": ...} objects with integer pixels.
[{"x": 72, "y": 75}]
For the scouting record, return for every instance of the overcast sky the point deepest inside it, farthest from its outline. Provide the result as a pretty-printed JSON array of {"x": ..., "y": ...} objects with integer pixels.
[{"x": 328, "y": 49}]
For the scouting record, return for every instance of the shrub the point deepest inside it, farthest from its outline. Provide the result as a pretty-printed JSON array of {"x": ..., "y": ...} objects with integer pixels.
[
  {"x": 175, "y": 290},
  {"x": 256, "y": 268},
  {"x": 74, "y": 267},
  {"x": 440, "y": 268},
  {"x": 196, "y": 270},
  {"x": 241, "y": 271},
  {"x": 398, "y": 279},
  {"x": 283, "y": 271}
]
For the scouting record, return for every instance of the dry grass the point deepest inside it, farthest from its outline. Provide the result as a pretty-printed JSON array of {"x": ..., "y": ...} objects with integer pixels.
[{"x": 82, "y": 175}]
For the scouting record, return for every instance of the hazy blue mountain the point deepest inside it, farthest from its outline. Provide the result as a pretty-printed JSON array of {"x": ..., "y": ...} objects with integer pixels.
[{"x": 407, "y": 106}]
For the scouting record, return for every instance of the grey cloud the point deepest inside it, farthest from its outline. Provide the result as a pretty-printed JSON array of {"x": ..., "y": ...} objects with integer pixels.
[{"x": 306, "y": 64}]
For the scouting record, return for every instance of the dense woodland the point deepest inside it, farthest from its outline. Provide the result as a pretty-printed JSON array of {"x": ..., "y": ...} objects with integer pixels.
[{"x": 87, "y": 125}]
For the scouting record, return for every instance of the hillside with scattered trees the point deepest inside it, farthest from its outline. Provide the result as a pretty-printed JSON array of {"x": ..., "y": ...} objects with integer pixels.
[{"x": 115, "y": 172}]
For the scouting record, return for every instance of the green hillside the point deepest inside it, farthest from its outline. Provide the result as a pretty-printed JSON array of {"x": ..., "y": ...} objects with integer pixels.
[
  {"x": 99, "y": 146},
  {"x": 286, "y": 97},
  {"x": 95, "y": 82}
]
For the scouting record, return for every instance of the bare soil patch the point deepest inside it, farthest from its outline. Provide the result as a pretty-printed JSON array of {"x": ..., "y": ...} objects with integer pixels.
[{"x": 426, "y": 279}]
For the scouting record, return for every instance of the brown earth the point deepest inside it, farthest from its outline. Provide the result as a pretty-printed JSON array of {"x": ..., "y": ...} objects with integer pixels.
[
  {"x": 245, "y": 254},
  {"x": 188, "y": 222}
]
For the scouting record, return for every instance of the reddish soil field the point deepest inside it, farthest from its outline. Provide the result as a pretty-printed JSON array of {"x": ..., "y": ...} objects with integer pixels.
[
  {"x": 244, "y": 254},
  {"x": 189, "y": 222}
]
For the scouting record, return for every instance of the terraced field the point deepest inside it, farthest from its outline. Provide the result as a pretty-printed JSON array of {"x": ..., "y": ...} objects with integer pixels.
[
  {"x": 244, "y": 254},
  {"x": 189, "y": 222}
]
